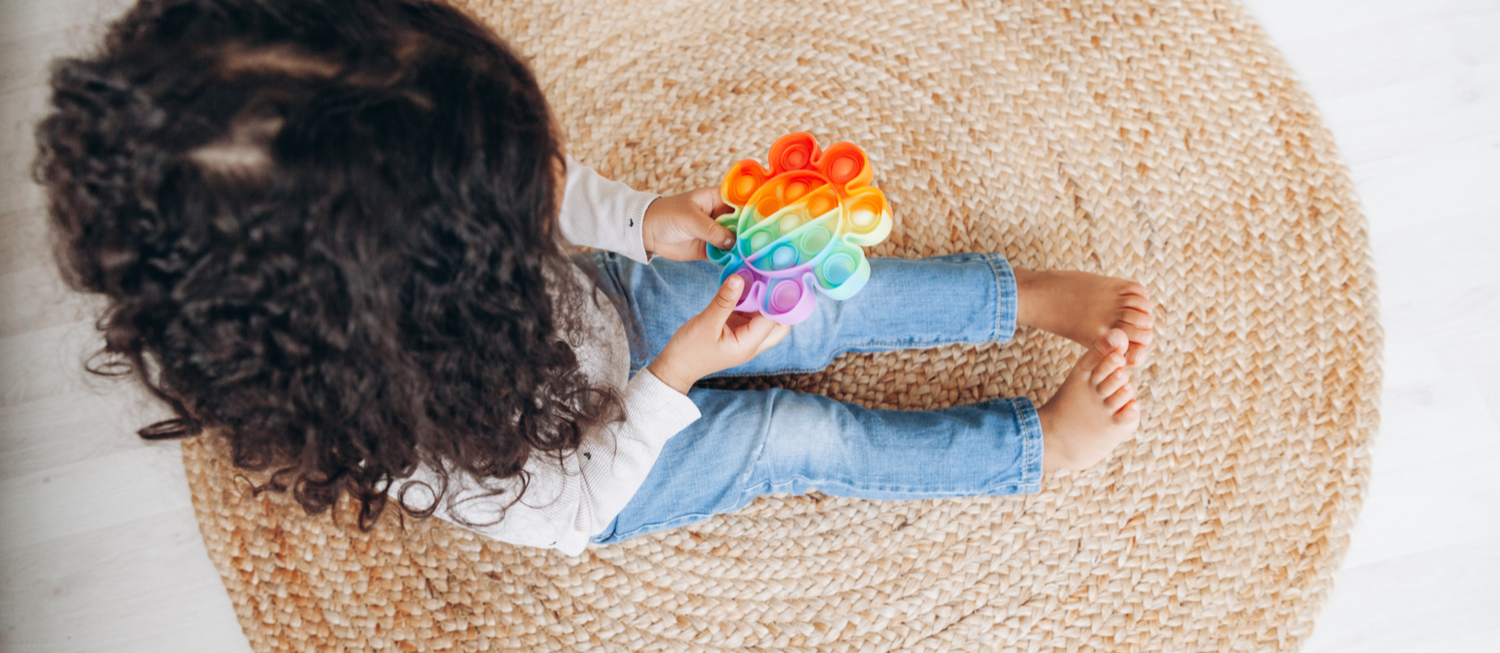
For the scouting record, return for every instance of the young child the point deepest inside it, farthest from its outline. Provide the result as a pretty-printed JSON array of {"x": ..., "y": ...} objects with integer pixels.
[{"x": 330, "y": 232}]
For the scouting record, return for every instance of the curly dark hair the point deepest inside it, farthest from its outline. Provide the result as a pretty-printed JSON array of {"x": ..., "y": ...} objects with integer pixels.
[{"x": 326, "y": 230}]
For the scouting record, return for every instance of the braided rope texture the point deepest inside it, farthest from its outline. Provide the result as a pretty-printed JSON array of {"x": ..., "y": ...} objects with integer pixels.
[{"x": 1166, "y": 142}]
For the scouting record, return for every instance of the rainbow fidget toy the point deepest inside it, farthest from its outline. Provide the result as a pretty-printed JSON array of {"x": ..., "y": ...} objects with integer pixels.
[{"x": 800, "y": 226}]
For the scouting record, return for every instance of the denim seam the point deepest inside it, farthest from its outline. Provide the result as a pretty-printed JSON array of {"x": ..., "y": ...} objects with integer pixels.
[
  {"x": 941, "y": 493},
  {"x": 829, "y": 361}
]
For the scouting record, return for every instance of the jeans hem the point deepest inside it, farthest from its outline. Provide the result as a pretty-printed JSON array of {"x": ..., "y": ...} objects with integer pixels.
[
  {"x": 1032, "y": 445},
  {"x": 1007, "y": 299}
]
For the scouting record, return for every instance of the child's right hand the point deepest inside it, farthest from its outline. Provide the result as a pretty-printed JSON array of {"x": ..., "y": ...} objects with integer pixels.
[{"x": 716, "y": 339}]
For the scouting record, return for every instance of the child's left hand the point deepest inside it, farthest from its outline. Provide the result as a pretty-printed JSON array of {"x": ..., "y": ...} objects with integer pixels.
[{"x": 676, "y": 226}]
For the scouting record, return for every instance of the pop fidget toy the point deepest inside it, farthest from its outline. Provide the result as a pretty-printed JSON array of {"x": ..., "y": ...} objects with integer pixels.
[{"x": 800, "y": 226}]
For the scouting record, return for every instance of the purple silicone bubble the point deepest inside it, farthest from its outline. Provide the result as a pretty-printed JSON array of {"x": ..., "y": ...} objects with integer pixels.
[
  {"x": 750, "y": 296},
  {"x": 791, "y": 300},
  {"x": 785, "y": 295}
]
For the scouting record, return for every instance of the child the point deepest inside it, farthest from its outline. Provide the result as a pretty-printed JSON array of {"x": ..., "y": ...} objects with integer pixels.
[{"x": 331, "y": 233}]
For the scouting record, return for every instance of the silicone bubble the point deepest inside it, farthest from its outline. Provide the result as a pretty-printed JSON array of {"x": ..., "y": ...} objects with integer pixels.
[{"x": 801, "y": 226}]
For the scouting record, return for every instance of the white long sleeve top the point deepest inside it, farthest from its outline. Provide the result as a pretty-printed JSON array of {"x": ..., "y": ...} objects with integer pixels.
[{"x": 563, "y": 507}]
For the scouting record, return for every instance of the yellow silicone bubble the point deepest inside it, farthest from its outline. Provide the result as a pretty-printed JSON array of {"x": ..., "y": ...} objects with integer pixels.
[
  {"x": 791, "y": 221},
  {"x": 865, "y": 213},
  {"x": 863, "y": 218}
]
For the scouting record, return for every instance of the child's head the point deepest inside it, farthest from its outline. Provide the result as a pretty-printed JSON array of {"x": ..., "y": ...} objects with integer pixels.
[{"x": 322, "y": 227}]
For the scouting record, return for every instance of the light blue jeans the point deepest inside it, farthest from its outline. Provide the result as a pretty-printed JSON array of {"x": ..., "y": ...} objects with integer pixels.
[{"x": 749, "y": 443}]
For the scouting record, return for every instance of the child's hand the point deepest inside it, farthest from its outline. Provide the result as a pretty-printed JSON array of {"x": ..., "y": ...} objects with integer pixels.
[
  {"x": 716, "y": 339},
  {"x": 676, "y": 226}
]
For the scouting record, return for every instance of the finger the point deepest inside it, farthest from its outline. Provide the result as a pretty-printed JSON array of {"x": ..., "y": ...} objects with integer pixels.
[
  {"x": 778, "y": 334},
  {"x": 725, "y": 300},
  {"x": 754, "y": 332}
]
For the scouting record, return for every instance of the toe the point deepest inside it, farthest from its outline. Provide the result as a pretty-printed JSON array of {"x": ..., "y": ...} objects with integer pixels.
[
  {"x": 1140, "y": 340},
  {"x": 1129, "y": 414},
  {"x": 1136, "y": 335},
  {"x": 1136, "y": 303},
  {"x": 1115, "y": 341},
  {"x": 1135, "y": 290},
  {"x": 1111, "y": 364},
  {"x": 1112, "y": 382},
  {"x": 1120, "y": 397},
  {"x": 1134, "y": 317}
]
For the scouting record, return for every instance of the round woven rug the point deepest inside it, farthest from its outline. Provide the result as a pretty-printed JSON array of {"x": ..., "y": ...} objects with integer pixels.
[{"x": 1166, "y": 142}]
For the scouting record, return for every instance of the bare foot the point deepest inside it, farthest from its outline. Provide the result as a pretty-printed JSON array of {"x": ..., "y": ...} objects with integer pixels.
[
  {"x": 1093, "y": 411},
  {"x": 1081, "y": 307}
]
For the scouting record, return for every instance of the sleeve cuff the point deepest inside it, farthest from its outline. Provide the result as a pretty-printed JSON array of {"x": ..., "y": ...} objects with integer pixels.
[
  {"x": 636, "y": 204},
  {"x": 603, "y": 213},
  {"x": 653, "y": 399}
]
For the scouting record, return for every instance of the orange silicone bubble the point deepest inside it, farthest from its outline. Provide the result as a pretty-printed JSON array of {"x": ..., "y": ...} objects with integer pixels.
[
  {"x": 845, "y": 165},
  {"x": 794, "y": 152},
  {"x": 822, "y": 202}
]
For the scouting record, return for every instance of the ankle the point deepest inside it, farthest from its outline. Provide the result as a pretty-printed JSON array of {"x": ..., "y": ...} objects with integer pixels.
[
  {"x": 1027, "y": 293},
  {"x": 1055, "y": 455}
]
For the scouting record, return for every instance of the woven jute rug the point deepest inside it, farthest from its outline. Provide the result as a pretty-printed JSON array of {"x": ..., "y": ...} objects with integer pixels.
[{"x": 1166, "y": 142}]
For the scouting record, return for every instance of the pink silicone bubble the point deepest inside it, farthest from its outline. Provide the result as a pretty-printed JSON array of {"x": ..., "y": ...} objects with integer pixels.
[
  {"x": 785, "y": 296},
  {"x": 801, "y": 225}
]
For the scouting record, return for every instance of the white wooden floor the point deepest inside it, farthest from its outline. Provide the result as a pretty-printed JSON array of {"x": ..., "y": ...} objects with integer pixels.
[{"x": 99, "y": 550}]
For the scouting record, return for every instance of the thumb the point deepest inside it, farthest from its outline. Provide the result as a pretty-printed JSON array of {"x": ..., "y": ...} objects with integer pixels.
[
  {"x": 709, "y": 231},
  {"x": 725, "y": 300}
]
